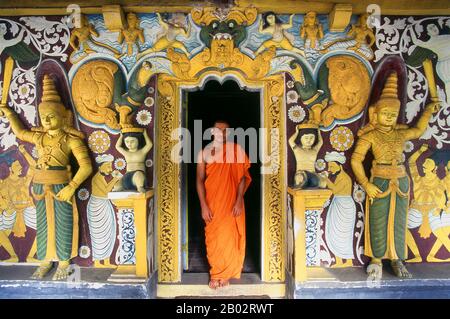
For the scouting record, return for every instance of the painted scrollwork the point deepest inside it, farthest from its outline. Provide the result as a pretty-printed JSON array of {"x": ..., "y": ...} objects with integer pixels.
[
  {"x": 399, "y": 37},
  {"x": 32, "y": 39},
  {"x": 273, "y": 187},
  {"x": 167, "y": 191}
]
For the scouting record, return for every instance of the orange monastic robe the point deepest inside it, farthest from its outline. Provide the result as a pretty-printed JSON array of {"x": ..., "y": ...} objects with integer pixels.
[{"x": 225, "y": 234}]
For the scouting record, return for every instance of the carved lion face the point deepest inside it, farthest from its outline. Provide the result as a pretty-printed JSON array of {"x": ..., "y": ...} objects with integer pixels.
[{"x": 223, "y": 30}]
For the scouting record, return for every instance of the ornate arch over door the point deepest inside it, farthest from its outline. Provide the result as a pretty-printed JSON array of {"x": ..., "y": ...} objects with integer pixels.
[{"x": 221, "y": 61}]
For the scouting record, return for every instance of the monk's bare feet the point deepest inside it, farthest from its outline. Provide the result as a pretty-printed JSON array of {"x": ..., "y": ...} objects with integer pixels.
[
  {"x": 213, "y": 284},
  {"x": 223, "y": 282},
  {"x": 399, "y": 269},
  {"x": 42, "y": 270}
]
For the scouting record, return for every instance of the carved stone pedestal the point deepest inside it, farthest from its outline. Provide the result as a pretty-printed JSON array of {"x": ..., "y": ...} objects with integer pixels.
[
  {"x": 132, "y": 254},
  {"x": 304, "y": 200}
]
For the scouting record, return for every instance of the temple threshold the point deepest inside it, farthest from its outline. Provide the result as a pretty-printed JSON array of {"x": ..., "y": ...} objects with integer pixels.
[{"x": 429, "y": 281}]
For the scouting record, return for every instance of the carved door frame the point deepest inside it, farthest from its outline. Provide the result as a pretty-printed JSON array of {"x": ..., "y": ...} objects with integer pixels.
[{"x": 168, "y": 118}]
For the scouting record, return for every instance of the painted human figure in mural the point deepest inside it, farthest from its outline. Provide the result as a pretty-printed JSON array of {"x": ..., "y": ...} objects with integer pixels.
[
  {"x": 30, "y": 211},
  {"x": 311, "y": 31},
  {"x": 439, "y": 45},
  {"x": 132, "y": 35},
  {"x": 8, "y": 43},
  {"x": 7, "y": 219},
  {"x": 18, "y": 188},
  {"x": 53, "y": 187},
  {"x": 100, "y": 213},
  {"x": 282, "y": 39},
  {"x": 428, "y": 208},
  {"x": 135, "y": 152},
  {"x": 222, "y": 179},
  {"x": 171, "y": 28},
  {"x": 341, "y": 215},
  {"x": 82, "y": 42},
  {"x": 388, "y": 187},
  {"x": 305, "y": 156},
  {"x": 17, "y": 208}
]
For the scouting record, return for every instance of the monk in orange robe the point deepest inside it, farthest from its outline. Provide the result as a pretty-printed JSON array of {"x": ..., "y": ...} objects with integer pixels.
[{"x": 222, "y": 179}]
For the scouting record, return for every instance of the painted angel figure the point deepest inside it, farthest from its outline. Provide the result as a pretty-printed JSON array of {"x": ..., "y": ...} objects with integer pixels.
[{"x": 438, "y": 43}]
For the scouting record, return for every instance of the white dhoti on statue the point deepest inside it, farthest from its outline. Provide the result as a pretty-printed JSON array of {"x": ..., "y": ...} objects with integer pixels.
[
  {"x": 102, "y": 227},
  {"x": 29, "y": 214},
  {"x": 340, "y": 225}
]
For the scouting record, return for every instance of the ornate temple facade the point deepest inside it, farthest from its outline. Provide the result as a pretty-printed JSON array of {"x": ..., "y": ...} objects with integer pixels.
[{"x": 130, "y": 73}]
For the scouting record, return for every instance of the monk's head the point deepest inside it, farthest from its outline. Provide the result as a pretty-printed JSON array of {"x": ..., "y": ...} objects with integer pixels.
[{"x": 219, "y": 131}]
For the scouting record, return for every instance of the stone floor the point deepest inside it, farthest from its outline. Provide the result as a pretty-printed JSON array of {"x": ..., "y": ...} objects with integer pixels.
[
  {"x": 87, "y": 283},
  {"x": 429, "y": 281}
]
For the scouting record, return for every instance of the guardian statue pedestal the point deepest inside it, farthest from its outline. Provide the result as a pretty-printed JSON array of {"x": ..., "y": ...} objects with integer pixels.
[
  {"x": 133, "y": 230},
  {"x": 304, "y": 200}
]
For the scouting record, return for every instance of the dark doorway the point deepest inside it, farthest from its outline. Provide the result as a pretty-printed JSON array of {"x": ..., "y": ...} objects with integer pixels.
[{"x": 240, "y": 108}]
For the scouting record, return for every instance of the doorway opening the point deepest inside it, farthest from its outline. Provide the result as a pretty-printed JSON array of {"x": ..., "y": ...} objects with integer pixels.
[{"x": 240, "y": 108}]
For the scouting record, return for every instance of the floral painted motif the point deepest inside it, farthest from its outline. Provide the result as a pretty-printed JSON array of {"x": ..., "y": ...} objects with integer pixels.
[
  {"x": 291, "y": 96},
  {"x": 144, "y": 117},
  {"x": 409, "y": 147},
  {"x": 149, "y": 101},
  {"x": 84, "y": 252},
  {"x": 341, "y": 138},
  {"x": 99, "y": 142},
  {"x": 120, "y": 164},
  {"x": 296, "y": 114},
  {"x": 83, "y": 194},
  {"x": 320, "y": 164}
]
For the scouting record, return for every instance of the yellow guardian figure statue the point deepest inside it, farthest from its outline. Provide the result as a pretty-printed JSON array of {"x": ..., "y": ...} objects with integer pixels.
[
  {"x": 388, "y": 187},
  {"x": 53, "y": 186}
]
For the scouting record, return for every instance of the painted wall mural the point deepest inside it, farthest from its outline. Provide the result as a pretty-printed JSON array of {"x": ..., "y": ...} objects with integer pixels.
[{"x": 331, "y": 78}]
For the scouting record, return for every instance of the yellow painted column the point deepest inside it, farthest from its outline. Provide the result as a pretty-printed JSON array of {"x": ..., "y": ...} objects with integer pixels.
[
  {"x": 304, "y": 199},
  {"x": 137, "y": 202}
]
